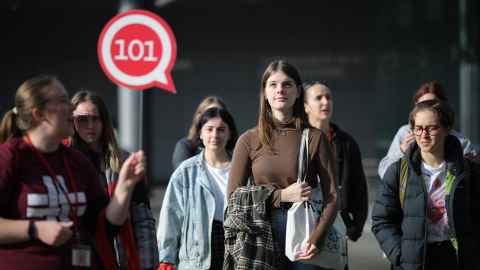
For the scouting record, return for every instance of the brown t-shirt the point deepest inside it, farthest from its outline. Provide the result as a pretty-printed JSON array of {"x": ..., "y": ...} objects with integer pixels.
[{"x": 278, "y": 168}]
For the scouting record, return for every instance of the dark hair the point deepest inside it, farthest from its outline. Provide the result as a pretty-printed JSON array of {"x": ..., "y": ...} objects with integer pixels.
[
  {"x": 204, "y": 104},
  {"x": 265, "y": 124},
  {"x": 444, "y": 112},
  {"x": 309, "y": 84},
  {"x": 108, "y": 141},
  {"x": 432, "y": 87},
  {"x": 226, "y": 117},
  {"x": 31, "y": 94}
]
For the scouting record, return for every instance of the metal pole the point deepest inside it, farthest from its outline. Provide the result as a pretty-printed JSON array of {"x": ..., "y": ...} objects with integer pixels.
[
  {"x": 468, "y": 75},
  {"x": 130, "y": 105}
]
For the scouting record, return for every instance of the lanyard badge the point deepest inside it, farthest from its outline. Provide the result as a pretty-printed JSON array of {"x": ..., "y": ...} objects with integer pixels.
[
  {"x": 81, "y": 251},
  {"x": 81, "y": 255}
]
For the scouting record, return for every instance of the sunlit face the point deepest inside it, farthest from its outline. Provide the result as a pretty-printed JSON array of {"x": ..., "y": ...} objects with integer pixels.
[
  {"x": 281, "y": 92},
  {"x": 88, "y": 123},
  {"x": 427, "y": 96},
  {"x": 429, "y": 133},
  {"x": 57, "y": 117},
  {"x": 215, "y": 134},
  {"x": 318, "y": 102}
]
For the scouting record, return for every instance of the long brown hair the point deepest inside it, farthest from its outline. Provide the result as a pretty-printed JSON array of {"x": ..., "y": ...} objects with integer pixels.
[
  {"x": 202, "y": 107},
  {"x": 265, "y": 124},
  {"x": 110, "y": 150},
  {"x": 31, "y": 94}
]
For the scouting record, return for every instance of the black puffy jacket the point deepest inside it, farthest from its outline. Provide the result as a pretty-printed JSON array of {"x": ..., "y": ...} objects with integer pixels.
[{"x": 402, "y": 233}]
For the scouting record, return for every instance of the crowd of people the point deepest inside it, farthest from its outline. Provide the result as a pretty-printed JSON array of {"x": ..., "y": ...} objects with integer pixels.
[{"x": 71, "y": 198}]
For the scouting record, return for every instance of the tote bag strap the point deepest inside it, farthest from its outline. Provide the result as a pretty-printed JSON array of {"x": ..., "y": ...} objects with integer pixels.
[{"x": 303, "y": 157}]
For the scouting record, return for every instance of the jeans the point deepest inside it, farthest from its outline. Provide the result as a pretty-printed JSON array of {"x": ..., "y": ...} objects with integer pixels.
[{"x": 279, "y": 227}]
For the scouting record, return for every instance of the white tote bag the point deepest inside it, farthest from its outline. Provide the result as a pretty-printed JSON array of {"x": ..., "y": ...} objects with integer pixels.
[{"x": 302, "y": 219}]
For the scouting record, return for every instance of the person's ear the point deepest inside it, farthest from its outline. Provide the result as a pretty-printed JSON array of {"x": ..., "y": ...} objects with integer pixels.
[
  {"x": 37, "y": 115},
  {"x": 306, "y": 108}
]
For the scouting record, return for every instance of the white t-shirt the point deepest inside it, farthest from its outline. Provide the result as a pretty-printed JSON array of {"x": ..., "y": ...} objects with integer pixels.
[
  {"x": 219, "y": 179},
  {"x": 437, "y": 219}
]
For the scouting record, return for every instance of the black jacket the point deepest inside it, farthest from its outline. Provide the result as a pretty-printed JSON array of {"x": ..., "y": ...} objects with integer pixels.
[
  {"x": 352, "y": 185},
  {"x": 402, "y": 233}
]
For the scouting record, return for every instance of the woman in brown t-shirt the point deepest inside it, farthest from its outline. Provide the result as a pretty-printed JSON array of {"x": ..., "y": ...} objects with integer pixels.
[{"x": 268, "y": 154}]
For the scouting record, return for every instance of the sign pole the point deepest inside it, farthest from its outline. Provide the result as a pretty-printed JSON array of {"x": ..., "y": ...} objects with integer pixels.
[{"x": 130, "y": 105}]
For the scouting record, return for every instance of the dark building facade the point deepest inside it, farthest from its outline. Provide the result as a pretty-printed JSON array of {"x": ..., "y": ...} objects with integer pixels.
[{"x": 372, "y": 54}]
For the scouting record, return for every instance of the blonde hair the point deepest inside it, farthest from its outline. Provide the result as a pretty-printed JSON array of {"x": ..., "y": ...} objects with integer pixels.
[
  {"x": 111, "y": 156},
  {"x": 31, "y": 94},
  {"x": 207, "y": 102}
]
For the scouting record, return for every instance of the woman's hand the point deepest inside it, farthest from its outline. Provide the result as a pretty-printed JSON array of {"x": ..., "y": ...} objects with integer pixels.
[
  {"x": 309, "y": 252},
  {"x": 132, "y": 171},
  {"x": 165, "y": 266},
  {"x": 296, "y": 192},
  {"x": 407, "y": 141},
  {"x": 53, "y": 233}
]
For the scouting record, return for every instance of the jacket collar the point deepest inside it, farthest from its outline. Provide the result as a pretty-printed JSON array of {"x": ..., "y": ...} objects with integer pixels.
[
  {"x": 199, "y": 161},
  {"x": 453, "y": 156}
]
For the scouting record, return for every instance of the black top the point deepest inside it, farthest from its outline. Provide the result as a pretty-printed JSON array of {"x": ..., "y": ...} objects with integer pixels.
[
  {"x": 184, "y": 149},
  {"x": 352, "y": 185}
]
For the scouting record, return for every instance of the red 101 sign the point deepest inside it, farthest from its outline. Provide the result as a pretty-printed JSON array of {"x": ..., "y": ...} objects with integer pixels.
[{"x": 137, "y": 50}]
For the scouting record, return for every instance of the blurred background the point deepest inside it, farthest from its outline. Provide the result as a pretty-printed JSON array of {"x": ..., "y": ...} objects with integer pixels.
[{"x": 373, "y": 55}]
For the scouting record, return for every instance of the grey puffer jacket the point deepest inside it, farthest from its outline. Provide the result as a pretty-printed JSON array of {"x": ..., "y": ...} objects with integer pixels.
[{"x": 402, "y": 233}]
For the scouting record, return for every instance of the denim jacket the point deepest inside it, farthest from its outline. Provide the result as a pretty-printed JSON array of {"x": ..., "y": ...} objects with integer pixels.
[{"x": 185, "y": 223}]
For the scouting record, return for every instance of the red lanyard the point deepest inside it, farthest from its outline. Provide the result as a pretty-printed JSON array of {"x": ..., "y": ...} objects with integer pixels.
[
  {"x": 73, "y": 208},
  {"x": 330, "y": 135}
]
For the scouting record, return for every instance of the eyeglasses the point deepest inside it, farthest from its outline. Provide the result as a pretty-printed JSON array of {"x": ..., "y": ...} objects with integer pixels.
[
  {"x": 430, "y": 130},
  {"x": 85, "y": 120}
]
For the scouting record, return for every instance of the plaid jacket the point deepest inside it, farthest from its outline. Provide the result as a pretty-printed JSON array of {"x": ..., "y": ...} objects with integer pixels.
[{"x": 248, "y": 230}]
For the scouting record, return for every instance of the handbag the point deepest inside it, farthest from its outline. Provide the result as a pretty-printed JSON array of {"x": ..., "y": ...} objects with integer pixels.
[{"x": 302, "y": 220}]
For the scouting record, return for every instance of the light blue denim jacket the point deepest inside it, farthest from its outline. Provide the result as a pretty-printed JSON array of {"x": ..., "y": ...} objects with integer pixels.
[{"x": 185, "y": 224}]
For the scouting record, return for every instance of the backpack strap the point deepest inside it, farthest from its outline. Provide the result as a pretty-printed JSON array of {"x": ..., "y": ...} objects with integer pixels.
[{"x": 403, "y": 177}]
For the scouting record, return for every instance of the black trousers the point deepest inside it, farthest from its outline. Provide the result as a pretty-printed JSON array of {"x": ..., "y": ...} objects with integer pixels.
[
  {"x": 441, "y": 256},
  {"x": 218, "y": 246}
]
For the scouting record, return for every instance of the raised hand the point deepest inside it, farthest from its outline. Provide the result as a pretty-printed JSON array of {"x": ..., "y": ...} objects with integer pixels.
[
  {"x": 407, "y": 141},
  {"x": 132, "y": 171}
]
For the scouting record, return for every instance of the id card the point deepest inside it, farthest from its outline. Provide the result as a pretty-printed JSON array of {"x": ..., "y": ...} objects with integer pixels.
[{"x": 81, "y": 255}]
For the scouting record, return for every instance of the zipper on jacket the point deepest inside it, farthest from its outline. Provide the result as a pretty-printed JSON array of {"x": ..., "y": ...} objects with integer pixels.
[{"x": 425, "y": 225}]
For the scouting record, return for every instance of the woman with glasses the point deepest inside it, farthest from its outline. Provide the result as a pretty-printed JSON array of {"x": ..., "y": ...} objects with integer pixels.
[
  {"x": 51, "y": 204},
  {"x": 426, "y": 214},
  {"x": 94, "y": 136},
  {"x": 404, "y": 136}
]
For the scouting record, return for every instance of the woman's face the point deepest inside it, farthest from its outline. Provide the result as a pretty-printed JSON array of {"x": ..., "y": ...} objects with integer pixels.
[
  {"x": 215, "y": 134},
  {"x": 427, "y": 96},
  {"x": 429, "y": 134},
  {"x": 318, "y": 102},
  {"x": 88, "y": 123},
  {"x": 57, "y": 117},
  {"x": 281, "y": 92}
]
